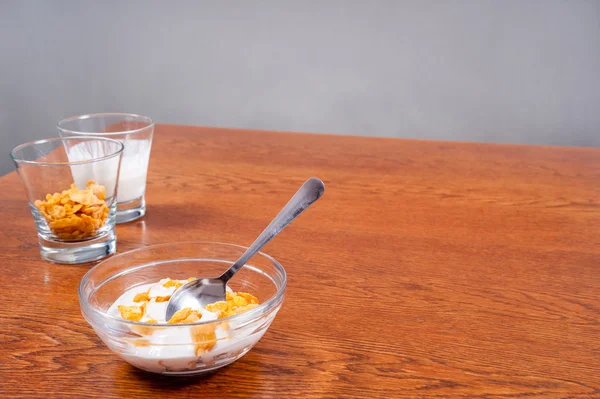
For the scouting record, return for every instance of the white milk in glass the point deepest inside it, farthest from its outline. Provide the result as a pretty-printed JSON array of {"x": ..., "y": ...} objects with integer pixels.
[{"x": 134, "y": 168}]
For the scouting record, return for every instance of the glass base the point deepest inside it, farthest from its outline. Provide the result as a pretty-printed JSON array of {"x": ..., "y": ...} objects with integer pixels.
[
  {"x": 72, "y": 253},
  {"x": 131, "y": 210}
]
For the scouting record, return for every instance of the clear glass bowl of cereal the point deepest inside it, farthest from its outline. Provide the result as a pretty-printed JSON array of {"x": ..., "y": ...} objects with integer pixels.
[{"x": 124, "y": 299}]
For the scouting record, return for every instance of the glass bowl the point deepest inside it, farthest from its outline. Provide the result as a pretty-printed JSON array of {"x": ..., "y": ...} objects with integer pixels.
[{"x": 181, "y": 349}]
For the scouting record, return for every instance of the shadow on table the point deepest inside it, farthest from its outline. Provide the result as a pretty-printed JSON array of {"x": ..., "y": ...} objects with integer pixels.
[
  {"x": 131, "y": 378},
  {"x": 163, "y": 382}
]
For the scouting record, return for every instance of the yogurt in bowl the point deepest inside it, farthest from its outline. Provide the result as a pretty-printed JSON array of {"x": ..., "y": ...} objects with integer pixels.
[{"x": 124, "y": 299}]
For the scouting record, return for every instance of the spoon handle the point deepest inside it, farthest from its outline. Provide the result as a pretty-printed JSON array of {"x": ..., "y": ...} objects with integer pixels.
[{"x": 310, "y": 191}]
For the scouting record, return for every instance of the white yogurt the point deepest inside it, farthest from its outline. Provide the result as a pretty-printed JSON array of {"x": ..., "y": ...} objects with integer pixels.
[{"x": 172, "y": 348}]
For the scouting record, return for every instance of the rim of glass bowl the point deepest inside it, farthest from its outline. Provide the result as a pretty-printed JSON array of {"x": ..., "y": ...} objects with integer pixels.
[
  {"x": 17, "y": 159},
  {"x": 104, "y": 114},
  {"x": 267, "y": 305}
]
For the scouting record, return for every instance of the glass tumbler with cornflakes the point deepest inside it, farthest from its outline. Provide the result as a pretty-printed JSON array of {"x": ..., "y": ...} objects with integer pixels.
[{"x": 73, "y": 201}]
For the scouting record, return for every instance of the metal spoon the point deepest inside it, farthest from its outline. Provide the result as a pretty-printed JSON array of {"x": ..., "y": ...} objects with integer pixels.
[{"x": 203, "y": 291}]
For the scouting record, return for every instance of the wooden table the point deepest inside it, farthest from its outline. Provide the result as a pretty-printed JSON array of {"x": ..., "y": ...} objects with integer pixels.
[{"x": 429, "y": 269}]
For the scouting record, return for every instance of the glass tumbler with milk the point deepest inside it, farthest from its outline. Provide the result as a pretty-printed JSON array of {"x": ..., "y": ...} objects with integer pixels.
[{"x": 135, "y": 132}]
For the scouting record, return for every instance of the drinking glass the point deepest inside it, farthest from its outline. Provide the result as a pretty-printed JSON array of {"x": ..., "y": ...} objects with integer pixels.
[
  {"x": 75, "y": 224},
  {"x": 135, "y": 132}
]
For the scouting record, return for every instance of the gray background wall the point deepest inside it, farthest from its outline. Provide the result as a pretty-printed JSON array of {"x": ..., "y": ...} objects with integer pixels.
[{"x": 501, "y": 71}]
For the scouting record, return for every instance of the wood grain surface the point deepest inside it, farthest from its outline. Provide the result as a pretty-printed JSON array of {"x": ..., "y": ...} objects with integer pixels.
[{"x": 428, "y": 270}]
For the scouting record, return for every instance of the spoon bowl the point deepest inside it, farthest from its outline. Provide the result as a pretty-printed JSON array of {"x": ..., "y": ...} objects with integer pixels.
[{"x": 199, "y": 293}]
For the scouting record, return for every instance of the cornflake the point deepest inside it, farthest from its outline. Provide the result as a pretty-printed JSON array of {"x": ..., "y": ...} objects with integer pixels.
[
  {"x": 141, "y": 342},
  {"x": 146, "y": 330},
  {"x": 235, "y": 303},
  {"x": 162, "y": 298},
  {"x": 133, "y": 313},
  {"x": 172, "y": 283},
  {"x": 204, "y": 338},
  {"x": 184, "y": 316},
  {"x": 73, "y": 213},
  {"x": 141, "y": 297}
]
